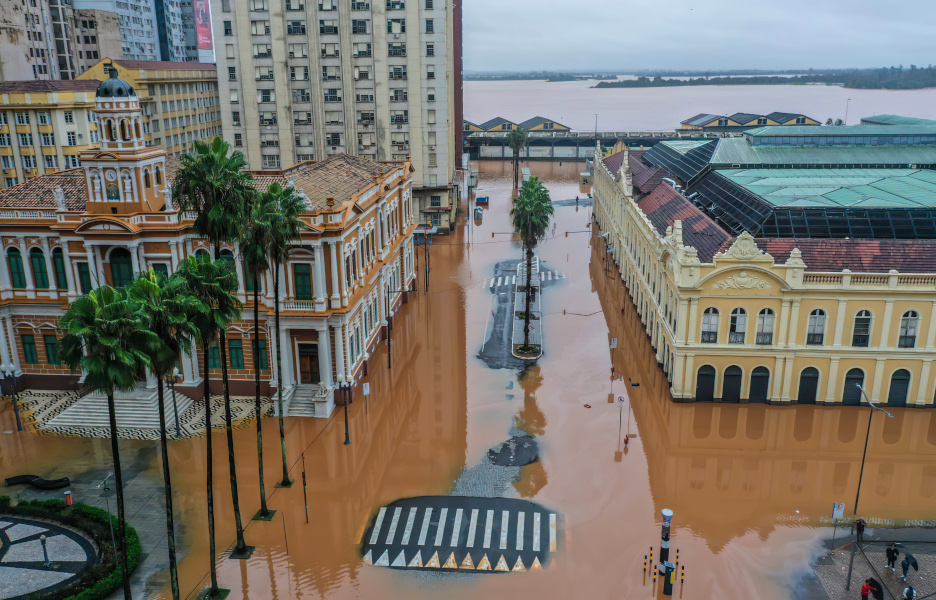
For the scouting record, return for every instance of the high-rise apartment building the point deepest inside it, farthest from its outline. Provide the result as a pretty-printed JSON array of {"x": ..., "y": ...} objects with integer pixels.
[
  {"x": 175, "y": 20},
  {"x": 304, "y": 79},
  {"x": 139, "y": 31},
  {"x": 27, "y": 42}
]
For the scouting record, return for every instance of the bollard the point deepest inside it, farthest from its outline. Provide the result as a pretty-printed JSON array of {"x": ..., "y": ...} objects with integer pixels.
[
  {"x": 645, "y": 563},
  {"x": 669, "y": 575},
  {"x": 682, "y": 574},
  {"x": 665, "y": 535},
  {"x": 654, "y": 573},
  {"x": 677, "y": 556},
  {"x": 68, "y": 498},
  {"x": 651, "y": 554}
]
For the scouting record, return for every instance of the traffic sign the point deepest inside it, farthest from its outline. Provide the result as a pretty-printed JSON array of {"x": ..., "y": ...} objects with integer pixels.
[
  {"x": 613, "y": 343},
  {"x": 838, "y": 510},
  {"x": 366, "y": 389}
]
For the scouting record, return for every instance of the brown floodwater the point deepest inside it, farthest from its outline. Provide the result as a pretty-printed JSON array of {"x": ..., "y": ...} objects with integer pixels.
[{"x": 751, "y": 486}]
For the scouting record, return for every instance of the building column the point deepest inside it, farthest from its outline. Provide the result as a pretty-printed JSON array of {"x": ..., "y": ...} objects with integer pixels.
[
  {"x": 931, "y": 335},
  {"x": 134, "y": 257},
  {"x": 73, "y": 290},
  {"x": 188, "y": 371},
  {"x": 777, "y": 379},
  {"x": 173, "y": 256},
  {"x": 336, "y": 284},
  {"x": 923, "y": 385},
  {"x": 325, "y": 356},
  {"x": 4, "y": 348},
  {"x": 344, "y": 274},
  {"x": 833, "y": 380},
  {"x": 782, "y": 322},
  {"x": 318, "y": 277},
  {"x": 693, "y": 316},
  {"x": 27, "y": 268},
  {"x": 794, "y": 323},
  {"x": 676, "y": 372},
  {"x": 99, "y": 256},
  {"x": 876, "y": 384},
  {"x": 92, "y": 266},
  {"x": 53, "y": 280},
  {"x": 6, "y": 287},
  {"x": 839, "y": 324},
  {"x": 885, "y": 326},
  {"x": 288, "y": 358},
  {"x": 239, "y": 269},
  {"x": 150, "y": 380},
  {"x": 689, "y": 378},
  {"x": 339, "y": 352},
  {"x": 787, "y": 380},
  {"x": 11, "y": 337},
  {"x": 142, "y": 258}
]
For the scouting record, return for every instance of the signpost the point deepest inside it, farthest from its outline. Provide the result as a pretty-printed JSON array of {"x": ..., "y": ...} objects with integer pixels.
[
  {"x": 838, "y": 510},
  {"x": 366, "y": 388},
  {"x": 613, "y": 343}
]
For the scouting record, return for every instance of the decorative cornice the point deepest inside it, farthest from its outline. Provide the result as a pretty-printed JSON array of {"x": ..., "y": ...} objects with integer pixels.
[{"x": 742, "y": 281}]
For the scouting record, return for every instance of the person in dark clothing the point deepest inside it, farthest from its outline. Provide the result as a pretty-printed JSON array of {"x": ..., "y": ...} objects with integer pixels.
[
  {"x": 892, "y": 555},
  {"x": 905, "y": 566},
  {"x": 859, "y": 528},
  {"x": 866, "y": 589}
]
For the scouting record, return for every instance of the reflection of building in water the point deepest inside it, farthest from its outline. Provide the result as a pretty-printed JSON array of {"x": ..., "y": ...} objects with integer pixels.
[
  {"x": 775, "y": 285},
  {"x": 727, "y": 469}
]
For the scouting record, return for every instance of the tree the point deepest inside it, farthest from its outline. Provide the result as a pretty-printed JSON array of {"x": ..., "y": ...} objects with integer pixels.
[
  {"x": 212, "y": 182},
  {"x": 531, "y": 213},
  {"x": 166, "y": 304},
  {"x": 254, "y": 248},
  {"x": 105, "y": 332},
  {"x": 285, "y": 228},
  {"x": 213, "y": 285},
  {"x": 517, "y": 139}
]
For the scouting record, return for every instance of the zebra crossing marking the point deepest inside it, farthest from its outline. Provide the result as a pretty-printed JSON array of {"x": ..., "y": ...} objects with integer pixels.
[
  {"x": 467, "y": 563},
  {"x": 471, "y": 529},
  {"x": 498, "y": 281},
  {"x": 536, "y": 532},
  {"x": 408, "y": 530},
  {"x": 502, "y": 564},
  {"x": 518, "y": 566},
  {"x": 367, "y": 558},
  {"x": 393, "y": 524},
  {"x": 417, "y": 561},
  {"x": 505, "y": 519},
  {"x": 456, "y": 530},
  {"x": 488, "y": 528},
  {"x": 485, "y": 564},
  {"x": 552, "y": 532},
  {"x": 434, "y": 561},
  {"x": 377, "y": 524},
  {"x": 520, "y": 518},
  {"x": 450, "y": 562},
  {"x": 399, "y": 561},
  {"x": 442, "y": 514},
  {"x": 491, "y": 283},
  {"x": 384, "y": 560},
  {"x": 425, "y": 527},
  {"x": 536, "y": 566}
]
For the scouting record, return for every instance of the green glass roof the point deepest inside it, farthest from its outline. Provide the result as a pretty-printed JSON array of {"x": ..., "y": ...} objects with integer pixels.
[
  {"x": 828, "y": 130},
  {"x": 739, "y": 151},
  {"x": 896, "y": 120},
  {"x": 846, "y": 188}
]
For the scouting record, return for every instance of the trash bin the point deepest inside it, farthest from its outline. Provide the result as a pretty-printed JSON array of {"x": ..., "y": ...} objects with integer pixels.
[{"x": 669, "y": 576}]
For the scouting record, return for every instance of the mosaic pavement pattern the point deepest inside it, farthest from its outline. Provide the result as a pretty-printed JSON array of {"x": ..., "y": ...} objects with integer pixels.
[
  {"x": 871, "y": 561},
  {"x": 30, "y": 563},
  {"x": 39, "y": 407}
]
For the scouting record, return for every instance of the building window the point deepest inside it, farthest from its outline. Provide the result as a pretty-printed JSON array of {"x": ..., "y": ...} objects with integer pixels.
[
  {"x": 72, "y": 138},
  {"x": 737, "y": 326},
  {"x": 854, "y": 379},
  {"x": 29, "y": 350},
  {"x": 51, "y": 349},
  {"x": 800, "y": 120},
  {"x": 909, "y": 325},
  {"x": 303, "y": 281},
  {"x": 235, "y": 116},
  {"x": 430, "y": 49},
  {"x": 69, "y": 116},
  {"x": 236, "y": 354},
  {"x": 861, "y": 336},
  {"x": 232, "y": 73},
  {"x": 765, "y": 326},
  {"x": 710, "y": 326},
  {"x": 815, "y": 332},
  {"x": 271, "y": 161},
  {"x": 333, "y": 139},
  {"x": 22, "y": 118},
  {"x": 40, "y": 274},
  {"x": 430, "y": 72},
  {"x": 58, "y": 265},
  {"x": 260, "y": 354},
  {"x": 430, "y": 26},
  {"x": 238, "y": 141},
  {"x": 84, "y": 277},
  {"x": 214, "y": 356},
  {"x": 121, "y": 267},
  {"x": 228, "y": 28},
  {"x": 435, "y": 201}
]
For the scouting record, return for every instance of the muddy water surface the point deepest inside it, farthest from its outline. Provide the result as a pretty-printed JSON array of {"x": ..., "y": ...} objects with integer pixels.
[{"x": 750, "y": 485}]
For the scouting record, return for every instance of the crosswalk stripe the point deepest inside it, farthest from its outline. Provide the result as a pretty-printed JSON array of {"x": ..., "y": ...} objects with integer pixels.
[
  {"x": 491, "y": 283},
  {"x": 505, "y": 519},
  {"x": 456, "y": 529},
  {"x": 399, "y": 561},
  {"x": 471, "y": 528},
  {"x": 514, "y": 282},
  {"x": 393, "y": 523},
  {"x": 488, "y": 528},
  {"x": 520, "y": 518},
  {"x": 442, "y": 515},
  {"x": 498, "y": 281},
  {"x": 408, "y": 530},
  {"x": 552, "y": 532},
  {"x": 377, "y": 524},
  {"x": 425, "y": 526},
  {"x": 536, "y": 532}
]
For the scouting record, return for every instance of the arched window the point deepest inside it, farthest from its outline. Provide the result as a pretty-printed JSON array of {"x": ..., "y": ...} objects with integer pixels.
[
  {"x": 58, "y": 264},
  {"x": 17, "y": 273},
  {"x": 137, "y": 130},
  {"x": 765, "y": 325},
  {"x": 202, "y": 254},
  {"x": 808, "y": 386},
  {"x": 40, "y": 274},
  {"x": 760, "y": 385},
  {"x": 899, "y": 387},
  {"x": 705, "y": 384},
  {"x": 710, "y": 326},
  {"x": 815, "y": 333},
  {"x": 861, "y": 336},
  {"x": 110, "y": 131},
  {"x": 121, "y": 266},
  {"x": 731, "y": 385},
  {"x": 852, "y": 394},
  {"x": 158, "y": 176},
  {"x": 125, "y": 130},
  {"x": 737, "y": 327},
  {"x": 909, "y": 325},
  {"x": 146, "y": 179}
]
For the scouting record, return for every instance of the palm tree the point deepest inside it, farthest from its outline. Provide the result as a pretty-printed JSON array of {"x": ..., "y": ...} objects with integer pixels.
[
  {"x": 254, "y": 245},
  {"x": 212, "y": 182},
  {"x": 531, "y": 213},
  {"x": 105, "y": 332},
  {"x": 517, "y": 139},
  {"x": 166, "y": 304},
  {"x": 285, "y": 228},
  {"x": 213, "y": 284}
]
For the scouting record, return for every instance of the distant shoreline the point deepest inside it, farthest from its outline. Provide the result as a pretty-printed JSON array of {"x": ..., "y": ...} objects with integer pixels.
[{"x": 881, "y": 79}]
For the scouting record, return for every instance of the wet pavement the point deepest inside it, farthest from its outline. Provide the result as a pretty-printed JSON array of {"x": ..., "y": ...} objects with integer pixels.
[{"x": 751, "y": 486}]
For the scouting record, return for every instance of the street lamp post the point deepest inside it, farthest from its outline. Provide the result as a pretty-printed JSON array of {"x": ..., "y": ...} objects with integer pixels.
[
  {"x": 390, "y": 325},
  {"x": 171, "y": 381},
  {"x": 110, "y": 517},
  {"x": 346, "y": 396},
  {"x": 9, "y": 372},
  {"x": 867, "y": 436}
]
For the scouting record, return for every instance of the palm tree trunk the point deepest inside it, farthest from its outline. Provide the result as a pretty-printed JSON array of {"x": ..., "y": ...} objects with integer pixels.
[
  {"x": 241, "y": 545},
  {"x": 209, "y": 470},
  {"x": 264, "y": 512},
  {"x": 279, "y": 372},
  {"x": 170, "y": 524},
  {"x": 121, "y": 557},
  {"x": 516, "y": 165},
  {"x": 529, "y": 278}
]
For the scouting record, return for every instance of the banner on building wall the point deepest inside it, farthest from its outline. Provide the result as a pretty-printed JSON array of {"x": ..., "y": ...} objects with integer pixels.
[{"x": 203, "y": 24}]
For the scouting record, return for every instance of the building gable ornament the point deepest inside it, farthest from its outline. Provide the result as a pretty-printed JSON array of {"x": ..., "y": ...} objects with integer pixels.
[
  {"x": 744, "y": 248},
  {"x": 742, "y": 281},
  {"x": 795, "y": 259}
]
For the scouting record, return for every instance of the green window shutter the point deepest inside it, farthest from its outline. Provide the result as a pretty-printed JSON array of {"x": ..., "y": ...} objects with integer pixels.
[
  {"x": 29, "y": 350},
  {"x": 40, "y": 275},
  {"x": 303, "y": 279},
  {"x": 17, "y": 274},
  {"x": 214, "y": 357},
  {"x": 58, "y": 263},
  {"x": 84, "y": 277},
  {"x": 237, "y": 354},
  {"x": 161, "y": 269},
  {"x": 260, "y": 354},
  {"x": 121, "y": 268},
  {"x": 51, "y": 349},
  {"x": 248, "y": 284}
]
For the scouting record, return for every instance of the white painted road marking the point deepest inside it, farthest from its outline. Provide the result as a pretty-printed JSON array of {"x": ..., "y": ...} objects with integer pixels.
[
  {"x": 520, "y": 517},
  {"x": 514, "y": 282},
  {"x": 488, "y": 528},
  {"x": 505, "y": 519},
  {"x": 442, "y": 514},
  {"x": 536, "y": 532},
  {"x": 377, "y": 524},
  {"x": 425, "y": 527},
  {"x": 393, "y": 524},
  {"x": 498, "y": 281},
  {"x": 472, "y": 528},
  {"x": 408, "y": 530},
  {"x": 552, "y": 532},
  {"x": 456, "y": 529}
]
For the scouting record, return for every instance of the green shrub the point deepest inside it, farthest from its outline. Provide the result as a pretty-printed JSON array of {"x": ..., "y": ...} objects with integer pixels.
[{"x": 100, "y": 579}]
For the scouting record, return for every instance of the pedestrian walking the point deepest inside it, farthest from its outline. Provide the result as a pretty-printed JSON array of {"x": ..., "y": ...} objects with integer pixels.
[
  {"x": 909, "y": 593},
  {"x": 866, "y": 589},
  {"x": 859, "y": 528},
  {"x": 905, "y": 565},
  {"x": 892, "y": 554}
]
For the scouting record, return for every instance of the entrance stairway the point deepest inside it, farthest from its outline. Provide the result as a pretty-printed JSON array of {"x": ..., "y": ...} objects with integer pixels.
[
  {"x": 310, "y": 401},
  {"x": 138, "y": 409}
]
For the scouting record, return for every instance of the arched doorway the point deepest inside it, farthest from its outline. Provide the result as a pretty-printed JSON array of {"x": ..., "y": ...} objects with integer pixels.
[
  {"x": 121, "y": 267},
  {"x": 731, "y": 385},
  {"x": 851, "y": 394},
  {"x": 705, "y": 384},
  {"x": 808, "y": 386},
  {"x": 899, "y": 387},
  {"x": 760, "y": 385}
]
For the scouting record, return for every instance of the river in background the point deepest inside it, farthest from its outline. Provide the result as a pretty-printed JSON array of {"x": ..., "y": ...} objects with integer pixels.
[{"x": 575, "y": 103}]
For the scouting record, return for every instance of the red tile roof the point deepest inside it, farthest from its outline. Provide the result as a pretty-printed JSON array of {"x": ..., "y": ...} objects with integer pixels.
[
  {"x": 860, "y": 256},
  {"x": 71, "y": 85},
  {"x": 38, "y": 192},
  {"x": 614, "y": 162},
  {"x": 665, "y": 205},
  {"x": 645, "y": 177}
]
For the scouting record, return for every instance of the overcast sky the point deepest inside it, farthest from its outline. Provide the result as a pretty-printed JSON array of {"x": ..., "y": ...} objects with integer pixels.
[{"x": 696, "y": 34}]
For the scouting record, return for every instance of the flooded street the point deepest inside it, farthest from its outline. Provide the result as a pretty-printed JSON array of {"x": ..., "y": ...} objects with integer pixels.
[{"x": 751, "y": 486}]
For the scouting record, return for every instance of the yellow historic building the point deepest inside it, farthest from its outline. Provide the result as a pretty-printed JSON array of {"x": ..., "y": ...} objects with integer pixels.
[
  {"x": 739, "y": 121},
  {"x": 734, "y": 318},
  {"x": 67, "y": 232}
]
